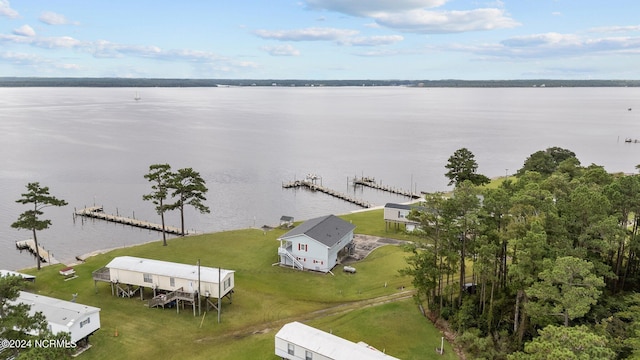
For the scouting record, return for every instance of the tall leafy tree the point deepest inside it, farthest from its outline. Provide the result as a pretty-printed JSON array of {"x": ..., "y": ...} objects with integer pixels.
[
  {"x": 189, "y": 188},
  {"x": 432, "y": 223},
  {"x": 38, "y": 198},
  {"x": 425, "y": 274},
  {"x": 546, "y": 161},
  {"x": 464, "y": 205},
  {"x": 559, "y": 342},
  {"x": 160, "y": 177},
  {"x": 568, "y": 288},
  {"x": 462, "y": 166},
  {"x": 532, "y": 251}
]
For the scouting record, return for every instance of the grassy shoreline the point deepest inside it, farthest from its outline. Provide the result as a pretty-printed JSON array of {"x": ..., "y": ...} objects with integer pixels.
[{"x": 357, "y": 307}]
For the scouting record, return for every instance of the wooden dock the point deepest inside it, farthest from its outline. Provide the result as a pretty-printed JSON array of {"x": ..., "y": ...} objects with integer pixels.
[
  {"x": 97, "y": 212},
  {"x": 370, "y": 182},
  {"x": 45, "y": 255},
  {"x": 315, "y": 187}
]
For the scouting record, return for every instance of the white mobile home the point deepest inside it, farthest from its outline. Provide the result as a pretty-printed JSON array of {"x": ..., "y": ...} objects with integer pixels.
[
  {"x": 170, "y": 276},
  {"x": 26, "y": 277},
  {"x": 316, "y": 243},
  {"x": 80, "y": 321},
  {"x": 297, "y": 341}
]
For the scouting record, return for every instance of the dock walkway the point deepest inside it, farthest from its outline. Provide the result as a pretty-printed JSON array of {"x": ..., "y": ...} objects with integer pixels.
[
  {"x": 315, "y": 187},
  {"x": 369, "y": 182},
  {"x": 97, "y": 212},
  {"x": 45, "y": 255}
]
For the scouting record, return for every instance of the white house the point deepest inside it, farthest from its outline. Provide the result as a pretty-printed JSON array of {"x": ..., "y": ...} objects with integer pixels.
[
  {"x": 397, "y": 214},
  {"x": 316, "y": 243},
  {"x": 168, "y": 276},
  {"x": 80, "y": 321},
  {"x": 297, "y": 341}
]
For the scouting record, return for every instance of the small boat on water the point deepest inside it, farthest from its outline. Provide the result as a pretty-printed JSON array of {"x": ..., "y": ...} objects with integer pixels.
[{"x": 137, "y": 97}]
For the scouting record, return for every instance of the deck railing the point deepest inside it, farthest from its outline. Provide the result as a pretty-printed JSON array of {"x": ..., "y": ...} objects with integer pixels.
[{"x": 101, "y": 275}]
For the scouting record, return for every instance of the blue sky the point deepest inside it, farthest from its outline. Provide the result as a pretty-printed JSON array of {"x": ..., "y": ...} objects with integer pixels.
[{"x": 322, "y": 39}]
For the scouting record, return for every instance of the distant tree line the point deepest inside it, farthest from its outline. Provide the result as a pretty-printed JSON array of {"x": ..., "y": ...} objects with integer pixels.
[
  {"x": 545, "y": 265},
  {"x": 144, "y": 82}
]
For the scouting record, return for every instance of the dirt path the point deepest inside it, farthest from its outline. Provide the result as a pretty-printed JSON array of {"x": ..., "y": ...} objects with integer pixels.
[{"x": 332, "y": 310}]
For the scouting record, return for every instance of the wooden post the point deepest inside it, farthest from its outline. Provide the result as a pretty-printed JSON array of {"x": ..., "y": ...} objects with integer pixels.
[{"x": 199, "y": 303}]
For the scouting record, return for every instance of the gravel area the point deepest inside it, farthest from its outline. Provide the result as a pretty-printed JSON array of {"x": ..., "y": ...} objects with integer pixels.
[{"x": 364, "y": 244}]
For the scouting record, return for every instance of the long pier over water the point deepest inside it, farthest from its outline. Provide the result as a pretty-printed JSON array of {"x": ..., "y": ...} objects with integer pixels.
[
  {"x": 370, "y": 182},
  {"x": 309, "y": 184},
  {"x": 96, "y": 212}
]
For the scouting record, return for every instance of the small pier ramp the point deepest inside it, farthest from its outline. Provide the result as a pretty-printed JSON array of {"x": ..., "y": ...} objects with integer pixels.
[
  {"x": 311, "y": 185},
  {"x": 97, "y": 212},
  {"x": 370, "y": 182},
  {"x": 30, "y": 245}
]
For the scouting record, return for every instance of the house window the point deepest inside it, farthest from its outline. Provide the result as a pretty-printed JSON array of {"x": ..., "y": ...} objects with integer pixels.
[
  {"x": 147, "y": 278},
  {"x": 308, "y": 355},
  {"x": 302, "y": 247},
  {"x": 85, "y": 322},
  {"x": 172, "y": 282},
  {"x": 291, "y": 349},
  {"x": 227, "y": 283}
]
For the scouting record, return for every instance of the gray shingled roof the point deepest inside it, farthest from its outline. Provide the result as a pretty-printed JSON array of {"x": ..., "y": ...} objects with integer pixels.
[
  {"x": 327, "y": 230},
  {"x": 398, "y": 206}
]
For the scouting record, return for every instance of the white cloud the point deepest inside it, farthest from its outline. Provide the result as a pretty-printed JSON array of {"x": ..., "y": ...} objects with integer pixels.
[
  {"x": 51, "y": 18},
  {"x": 615, "y": 29},
  {"x": 25, "y": 30},
  {"x": 308, "y": 34},
  {"x": 439, "y": 22},
  {"x": 371, "y": 40},
  {"x": 339, "y": 36},
  {"x": 281, "y": 50},
  {"x": 68, "y": 66},
  {"x": 20, "y": 58},
  {"x": 542, "y": 39},
  {"x": 57, "y": 42},
  {"x": 106, "y": 49},
  {"x": 550, "y": 45},
  {"x": 372, "y": 7},
  {"x": 6, "y": 10}
]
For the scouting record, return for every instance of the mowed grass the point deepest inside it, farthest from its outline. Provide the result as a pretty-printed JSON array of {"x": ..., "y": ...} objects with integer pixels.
[{"x": 266, "y": 297}]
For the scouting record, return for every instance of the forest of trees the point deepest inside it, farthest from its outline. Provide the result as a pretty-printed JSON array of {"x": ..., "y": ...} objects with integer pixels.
[{"x": 545, "y": 265}]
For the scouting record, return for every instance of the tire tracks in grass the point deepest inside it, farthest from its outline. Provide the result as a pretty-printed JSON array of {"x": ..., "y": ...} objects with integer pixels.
[{"x": 343, "y": 308}]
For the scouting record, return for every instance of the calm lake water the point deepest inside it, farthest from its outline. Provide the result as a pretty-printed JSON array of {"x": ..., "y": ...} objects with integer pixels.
[{"x": 94, "y": 145}]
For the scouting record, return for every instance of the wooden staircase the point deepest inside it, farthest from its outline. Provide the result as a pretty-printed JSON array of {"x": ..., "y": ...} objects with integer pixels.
[{"x": 164, "y": 299}]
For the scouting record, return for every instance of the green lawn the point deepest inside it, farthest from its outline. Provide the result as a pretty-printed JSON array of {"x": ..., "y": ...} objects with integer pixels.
[{"x": 266, "y": 297}]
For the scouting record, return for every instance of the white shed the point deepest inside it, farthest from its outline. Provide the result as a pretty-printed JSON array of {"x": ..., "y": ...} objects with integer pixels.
[
  {"x": 316, "y": 243},
  {"x": 297, "y": 341},
  {"x": 80, "y": 321}
]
